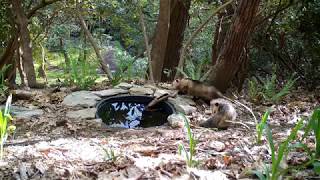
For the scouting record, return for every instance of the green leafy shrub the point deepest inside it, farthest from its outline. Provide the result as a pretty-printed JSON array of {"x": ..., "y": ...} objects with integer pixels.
[
  {"x": 82, "y": 74},
  {"x": 4, "y": 117},
  {"x": 268, "y": 90},
  {"x": 129, "y": 67},
  {"x": 189, "y": 156},
  {"x": 193, "y": 70},
  {"x": 254, "y": 89}
]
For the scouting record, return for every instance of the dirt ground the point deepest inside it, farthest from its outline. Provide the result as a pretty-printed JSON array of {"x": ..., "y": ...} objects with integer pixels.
[{"x": 53, "y": 146}]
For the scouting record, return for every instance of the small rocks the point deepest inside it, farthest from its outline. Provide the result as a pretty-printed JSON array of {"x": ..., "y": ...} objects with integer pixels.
[
  {"x": 124, "y": 85},
  {"x": 110, "y": 92},
  {"x": 175, "y": 121},
  {"x": 217, "y": 145},
  {"x": 81, "y": 98},
  {"x": 88, "y": 113}
]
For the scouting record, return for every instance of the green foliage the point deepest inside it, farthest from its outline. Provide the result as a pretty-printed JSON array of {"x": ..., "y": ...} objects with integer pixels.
[
  {"x": 4, "y": 117},
  {"x": 315, "y": 126},
  {"x": 261, "y": 126},
  {"x": 82, "y": 74},
  {"x": 129, "y": 67},
  {"x": 189, "y": 156},
  {"x": 254, "y": 89},
  {"x": 194, "y": 70},
  {"x": 110, "y": 154},
  {"x": 278, "y": 157},
  {"x": 268, "y": 90}
]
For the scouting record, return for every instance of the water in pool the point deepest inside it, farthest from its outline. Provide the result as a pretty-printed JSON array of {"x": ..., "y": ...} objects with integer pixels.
[{"x": 131, "y": 115}]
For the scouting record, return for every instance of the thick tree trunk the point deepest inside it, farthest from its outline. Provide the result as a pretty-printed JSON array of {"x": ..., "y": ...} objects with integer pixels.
[
  {"x": 159, "y": 43},
  {"x": 104, "y": 66},
  {"x": 25, "y": 43},
  {"x": 229, "y": 58},
  {"x": 9, "y": 51},
  {"x": 221, "y": 31},
  {"x": 168, "y": 38}
]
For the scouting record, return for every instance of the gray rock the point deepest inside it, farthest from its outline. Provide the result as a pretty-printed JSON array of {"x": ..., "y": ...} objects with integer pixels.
[
  {"x": 141, "y": 91},
  {"x": 88, "y": 113},
  {"x": 183, "y": 105},
  {"x": 217, "y": 145},
  {"x": 124, "y": 85},
  {"x": 110, "y": 92},
  {"x": 81, "y": 98},
  {"x": 175, "y": 121},
  {"x": 23, "y": 112}
]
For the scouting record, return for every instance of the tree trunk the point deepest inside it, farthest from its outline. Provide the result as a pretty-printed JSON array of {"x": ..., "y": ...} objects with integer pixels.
[
  {"x": 221, "y": 31},
  {"x": 65, "y": 55},
  {"x": 25, "y": 43},
  {"x": 24, "y": 82},
  {"x": 172, "y": 20},
  {"x": 104, "y": 66},
  {"x": 229, "y": 59}
]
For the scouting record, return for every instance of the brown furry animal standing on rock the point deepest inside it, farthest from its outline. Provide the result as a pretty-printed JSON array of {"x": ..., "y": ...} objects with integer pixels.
[
  {"x": 223, "y": 114},
  {"x": 196, "y": 88},
  {"x": 199, "y": 89}
]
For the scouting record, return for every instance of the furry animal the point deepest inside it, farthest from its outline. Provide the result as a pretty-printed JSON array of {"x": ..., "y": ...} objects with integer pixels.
[
  {"x": 223, "y": 114},
  {"x": 196, "y": 88}
]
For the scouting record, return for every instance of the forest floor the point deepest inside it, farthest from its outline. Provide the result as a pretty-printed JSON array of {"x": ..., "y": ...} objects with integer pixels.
[{"x": 53, "y": 146}]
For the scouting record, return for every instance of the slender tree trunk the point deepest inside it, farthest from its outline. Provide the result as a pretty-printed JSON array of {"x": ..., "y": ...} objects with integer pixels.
[
  {"x": 65, "y": 55},
  {"x": 168, "y": 38},
  {"x": 25, "y": 43},
  {"x": 24, "y": 82},
  {"x": 104, "y": 66},
  {"x": 229, "y": 58}
]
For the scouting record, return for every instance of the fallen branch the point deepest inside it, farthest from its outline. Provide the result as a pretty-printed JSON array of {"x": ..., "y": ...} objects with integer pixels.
[{"x": 159, "y": 99}]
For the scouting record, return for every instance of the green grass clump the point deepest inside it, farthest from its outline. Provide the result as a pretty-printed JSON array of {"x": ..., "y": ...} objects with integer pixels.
[
  {"x": 189, "y": 156},
  {"x": 261, "y": 126}
]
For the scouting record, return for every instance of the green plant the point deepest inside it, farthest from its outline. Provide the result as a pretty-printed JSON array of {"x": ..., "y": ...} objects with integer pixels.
[
  {"x": 192, "y": 145},
  {"x": 315, "y": 125},
  {"x": 261, "y": 126},
  {"x": 277, "y": 158},
  {"x": 110, "y": 154},
  {"x": 4, "y": 117},
  {"x": 254, "y": 89},
  {"x": 269, "y": 89},
  {"x": 193, "y": 70},
  {"x": 129, "y": 67},
  {"x": 82, "y": 74}
]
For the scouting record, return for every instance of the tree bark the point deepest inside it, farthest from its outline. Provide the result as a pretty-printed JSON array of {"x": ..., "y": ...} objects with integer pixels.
[
  {"x": 104, "y": 66},
  {"x": 65, "y": 55},
  {"x": 25, "y": 43},
  {"x": 229, "y": 59},
  {"x": 172, "y": 20},
  {"x": 221, "y": 31}
]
